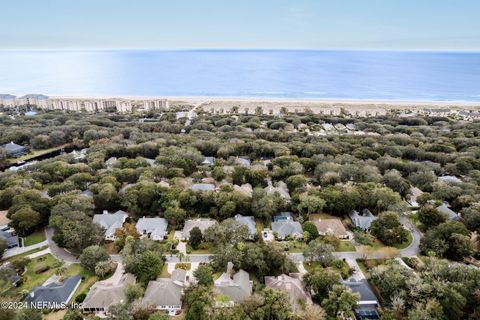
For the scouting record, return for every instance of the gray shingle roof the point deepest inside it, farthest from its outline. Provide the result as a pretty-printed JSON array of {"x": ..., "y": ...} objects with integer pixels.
[
  {"x": 291, "y": 285},
  {"x": 248, "y": 221},
  {"x": 203, "y": 187},
  {"x": 105, "y": 294},
  {"x": 12, "y": 241},
  {"x": 13, "y": 148},
  {"x": 363, "y": 288},
  {"x": 362, "y": 220},
  {"x": 153, "y": 226},
  {"x": 237, "y": 288},
  {"x": 110, "y": 221},
  {"x": 202, "y": 224},
  {"x": 287, "y": 228},
  {"x": 166, "y": 292},
  {"x": 56, "y": 293},
  {"x": 452, "y": 215}
]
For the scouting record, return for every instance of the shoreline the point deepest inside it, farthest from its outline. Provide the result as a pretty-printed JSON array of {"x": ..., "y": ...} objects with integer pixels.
[{"x": 266, "y": 100}]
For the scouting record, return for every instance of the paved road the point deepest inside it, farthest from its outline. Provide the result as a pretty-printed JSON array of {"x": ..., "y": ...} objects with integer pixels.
[
  {"x": 191, "y": 258},
  {"x": 58, "y": 252},
  {"x": 19, "y": 250}
]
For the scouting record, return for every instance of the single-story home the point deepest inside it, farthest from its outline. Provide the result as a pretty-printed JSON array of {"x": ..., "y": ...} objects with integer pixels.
[
  {"x": 451, "y": 215},
  {"x": 104, "y": 294},
  {"x": 14, "y": 150},
  {"x": 415, "y": 193},
  {"x": 331, "y": 227},
  {"x": 243, "y": 161},
  {"x": 367, "y": 304},
  {"x": 208, "y": 161},
  {"x": 281, "y": 189},
  {"x": 153, "y": 228},
  {"x": 284, "y": 226},
  {"x": 449, "y": 179},
  {"x": 236, "y": 286},
  {"x": 110, "y": 222},
  {"x": 363, "y": 219},
  {"x": 166, "y": 294},
  {"x": 203, "y": 187},
  {"x": 291, "y": 284},
  {"x": 9, "y": 236},
  {"x": 53, "y": 295},
  {"x": 248, "y": 221},
  {"x": 9, "y": 274},
  {"x": 202, "y": 223}
]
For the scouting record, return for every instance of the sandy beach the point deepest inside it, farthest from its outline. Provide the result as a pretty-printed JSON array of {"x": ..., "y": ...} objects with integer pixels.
[{"x": 275, "y": 105}]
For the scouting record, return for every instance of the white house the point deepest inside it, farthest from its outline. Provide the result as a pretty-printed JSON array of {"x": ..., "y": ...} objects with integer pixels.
[{"x": 153, "y": 228}]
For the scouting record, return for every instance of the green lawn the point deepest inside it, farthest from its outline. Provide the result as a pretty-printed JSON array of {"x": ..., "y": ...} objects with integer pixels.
[
  {"x": 293, "y": 246},
  {"x": 406, "y": 243},
  {"x": 27, "y": 253},
  {"x": 345, "y": 246},
  {"x": 88, "y": 279},
  {"x": 34, "y": 238},
  {"x": 33, "y": 279},
  {"x": 205, "y": 248},
  {"x": 35, "y": 153}
]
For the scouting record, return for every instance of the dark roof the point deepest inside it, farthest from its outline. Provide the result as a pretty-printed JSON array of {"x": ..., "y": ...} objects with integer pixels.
[
  {"x": 12, "y": 241},
  {"x": 54, "y": 292},
  {"x": 363, "y": 288},
  {"x": 13, "y": 147}
]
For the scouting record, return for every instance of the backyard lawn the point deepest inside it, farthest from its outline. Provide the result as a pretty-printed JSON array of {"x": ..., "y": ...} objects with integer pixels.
[{"x": 34, "y": 238}]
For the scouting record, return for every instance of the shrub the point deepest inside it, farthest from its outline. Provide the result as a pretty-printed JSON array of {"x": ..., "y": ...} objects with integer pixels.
[
  {"x": 80, "y": 297},
  {"x": 41, "y": 268}
]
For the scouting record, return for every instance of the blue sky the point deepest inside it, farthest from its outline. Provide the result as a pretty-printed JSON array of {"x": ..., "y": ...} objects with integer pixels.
[{"x": 309, "y": 24}]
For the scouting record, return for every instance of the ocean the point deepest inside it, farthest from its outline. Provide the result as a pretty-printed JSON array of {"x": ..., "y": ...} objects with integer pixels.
[{"x": 296, "y": 74}]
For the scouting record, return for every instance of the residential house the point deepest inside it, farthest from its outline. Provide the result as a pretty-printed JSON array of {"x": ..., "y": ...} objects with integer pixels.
[
  {"x": 9, "y": 236},
  {"x": 351, "y": 126},
  {"x": 54, "y": 295},
  {"x": 363, "y": 219},
  {"x": 340, "y": 127},
  {"x": 281, "y": 189},
  {"x": 415, "y": 193},
  {"x": 283, "y": 226},
  {"x": 293, "y": 286},
  {"x": 367, "y": 304},
  {"x": 203, "y": 187},
  {"x": 208, "y": 161},
  {"x": 14, "y": 150},
  {"x": 449, "y": 213},
  {"x": 243, "y": 161},
  {"x": 9, "y": 275},
  {"x": 104, "y": 294},
  {"x": 110, "y": 222},
  {"x": 248, "y": 221},
  {"x": 245, "y": 189},
  {"x": 202, "y": 223},
  {"x": 236, "y": 286},
  {"x": 111, "y": 162},
  {"x": 328, "y": 127},
  {"x": 166, "y": 293},
  {"x": 331, "y": 227},
  {"x": 153, "y": 228},
  {"x": 449, "y": 179}
]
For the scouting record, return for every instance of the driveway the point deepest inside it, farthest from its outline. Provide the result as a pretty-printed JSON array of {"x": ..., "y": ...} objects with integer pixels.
[
  {"x": 19, "y": 250},
  {"x": 59, "y": 253},
  {"x": 413, "y": 249}
]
